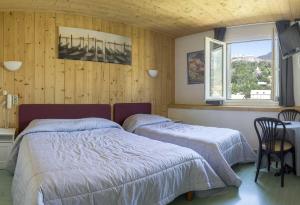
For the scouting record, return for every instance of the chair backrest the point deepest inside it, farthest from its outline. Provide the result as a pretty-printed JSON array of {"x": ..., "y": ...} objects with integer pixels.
[
  {"x": 268, "y": 131},
  {"x": 289, "y": 115}
]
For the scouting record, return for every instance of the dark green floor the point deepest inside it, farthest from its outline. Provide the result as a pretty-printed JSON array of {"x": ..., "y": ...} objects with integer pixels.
[{"x": 267, "y": 191}]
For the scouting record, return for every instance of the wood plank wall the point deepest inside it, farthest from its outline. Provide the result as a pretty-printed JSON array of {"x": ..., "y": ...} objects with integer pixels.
[{"x": 32, "y": 38}]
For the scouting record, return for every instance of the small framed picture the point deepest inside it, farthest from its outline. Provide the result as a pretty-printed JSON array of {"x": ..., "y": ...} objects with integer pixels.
[{"x": 196, "y": 67}]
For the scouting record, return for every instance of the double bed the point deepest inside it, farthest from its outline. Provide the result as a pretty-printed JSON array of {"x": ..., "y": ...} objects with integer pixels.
[
  {"x": 221, "y": 147},
  {"x": 73, "y": 154}
]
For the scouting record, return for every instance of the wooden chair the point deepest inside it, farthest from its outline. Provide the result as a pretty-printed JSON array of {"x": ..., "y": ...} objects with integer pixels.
[
  {"x": 289, "y": 115},
  {"x": 271, "y": 136}
]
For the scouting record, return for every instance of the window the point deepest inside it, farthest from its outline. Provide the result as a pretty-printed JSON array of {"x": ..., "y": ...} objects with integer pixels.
[
  {"x": 249, "y": 70},
  {"x": 215, "y": 70},
  {"x": 243, "y": 71}
]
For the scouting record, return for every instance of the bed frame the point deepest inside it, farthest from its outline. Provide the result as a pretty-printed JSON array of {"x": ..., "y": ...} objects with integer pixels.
[
  {"x": 124, "y": 110},
  {"x": 29, "y": 112}
]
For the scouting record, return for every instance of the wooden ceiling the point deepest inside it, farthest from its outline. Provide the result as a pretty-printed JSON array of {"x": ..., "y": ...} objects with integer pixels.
[{"x": 175, "y": 17}]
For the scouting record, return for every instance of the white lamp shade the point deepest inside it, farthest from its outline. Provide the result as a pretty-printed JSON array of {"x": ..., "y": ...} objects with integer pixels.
[
  {"x": 12, "y": 65},
  {"x": 153, "y": 73}
]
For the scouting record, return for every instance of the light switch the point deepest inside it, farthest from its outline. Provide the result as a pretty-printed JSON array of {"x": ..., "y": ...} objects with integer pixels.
[{"x": 15, "y": 99}]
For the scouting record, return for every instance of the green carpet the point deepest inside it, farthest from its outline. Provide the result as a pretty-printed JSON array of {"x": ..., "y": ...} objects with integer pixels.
[{"x": 266, "y": 191}]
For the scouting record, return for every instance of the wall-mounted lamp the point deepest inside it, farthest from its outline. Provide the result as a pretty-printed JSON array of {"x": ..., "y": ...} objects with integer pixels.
[
  {"x": 153, "y": 73},
  {"x": 12, "y": 65}
]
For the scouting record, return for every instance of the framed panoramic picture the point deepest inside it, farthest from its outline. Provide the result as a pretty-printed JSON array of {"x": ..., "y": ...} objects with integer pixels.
[
  {"x": 195, "y": 67},
  {"x": 89, "y": 45}
]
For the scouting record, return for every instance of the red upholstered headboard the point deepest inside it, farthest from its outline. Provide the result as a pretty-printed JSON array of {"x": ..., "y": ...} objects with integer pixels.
[
  {"x": 124, "y": 110},
  {"x": 29, "y": 112}
]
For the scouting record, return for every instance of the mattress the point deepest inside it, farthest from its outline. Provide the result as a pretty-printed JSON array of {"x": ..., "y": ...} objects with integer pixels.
[{"x": 93, "y": 161}]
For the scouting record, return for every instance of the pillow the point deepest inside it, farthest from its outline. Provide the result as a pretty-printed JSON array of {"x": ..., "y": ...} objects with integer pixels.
[
  {"x": 65, "y": 125},
  {"x": 135, "y": 121}
]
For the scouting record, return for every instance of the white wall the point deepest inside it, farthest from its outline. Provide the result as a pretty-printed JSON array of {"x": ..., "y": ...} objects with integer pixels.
[
  {"x": 194, "y": 94},
  {"x": 184, "y": 93},
  {"x": 238, "y": 120}
]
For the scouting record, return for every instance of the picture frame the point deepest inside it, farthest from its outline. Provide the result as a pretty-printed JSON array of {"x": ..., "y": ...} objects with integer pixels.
[
  {"x": 196, "y": 67},
  {"x": 90, "y": 45}
]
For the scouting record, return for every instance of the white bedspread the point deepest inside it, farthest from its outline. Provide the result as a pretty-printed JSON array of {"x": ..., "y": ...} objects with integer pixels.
[
  {"x": 221, "y": 147},
  {"x": 83, "y": 162}
]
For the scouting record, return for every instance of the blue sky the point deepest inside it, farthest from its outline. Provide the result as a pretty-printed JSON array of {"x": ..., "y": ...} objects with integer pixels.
[{"x": 251, "y": 48}]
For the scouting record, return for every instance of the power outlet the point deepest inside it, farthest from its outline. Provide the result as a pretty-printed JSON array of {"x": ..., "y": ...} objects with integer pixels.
[{"x": 15, "y": 99}]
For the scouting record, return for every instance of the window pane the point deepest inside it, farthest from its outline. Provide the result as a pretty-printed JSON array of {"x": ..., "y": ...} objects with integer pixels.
[
  {"x": 250, "y": 70},
  {"x": 216, "y": 70}
]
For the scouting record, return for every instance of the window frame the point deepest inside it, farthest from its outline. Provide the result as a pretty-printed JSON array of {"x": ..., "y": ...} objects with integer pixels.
[
  {"x": 244, "y": 102},
  {"x": 207, "y": 69}
]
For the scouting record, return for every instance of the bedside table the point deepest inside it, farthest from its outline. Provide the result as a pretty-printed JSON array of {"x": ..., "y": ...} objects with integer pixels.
[{"x": 7, "y": 136}]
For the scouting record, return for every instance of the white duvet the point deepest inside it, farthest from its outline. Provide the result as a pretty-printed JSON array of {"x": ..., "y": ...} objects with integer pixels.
[
  {"x": 220, "y": 147},
  {"x": 94, "y": 161}
]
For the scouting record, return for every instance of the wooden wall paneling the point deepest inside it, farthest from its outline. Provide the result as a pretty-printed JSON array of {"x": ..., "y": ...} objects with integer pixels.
[
  {"x": 79, "y": 81},
  {"x": 88, "y": 79},
  {"x": 152, "y": 64},
  {"x": 168, "y": 68},
  {"x": 128, "y": 71},
  {"x": 80, "y": 69},
  {"x": 19, "y": 49},
  {"x": 29, "y": 58},
  {"x": 158, "y": 80},
  {"x": 160, "y": 98},
  {"x": 122, "y": 70},
  {"x": 59, "y": 64},
  {"x": 164, "y": 75},
  {"x": 87, "y": 82},
  {"x": 32, "y": 38},
  {"x": 105, "y": 67},
  {"x": 172, "y": 70},
  {"x": 9, "y": 54},
  {"x": 294, "y": 8},
  {"x": 141, "y": 68},
  {"x": 59, "y": 87},
  {"x": 69, "y": 82},
  {"x": 89, "y": 72},
  {"x": 104, "y": 84},
  {"x": 98, "y": 90},
  {"x": 114, "y": 70},
  {"x": 70, "y": 68},
  {"x": 1, "y": 64},
  {"x": 135, "y": 64},
  {"x": 50, "y": 57},
  {"x": 124, "y": 74},
  {"x": 39, "y": 80},
  {"x": 147, "y": 65}
]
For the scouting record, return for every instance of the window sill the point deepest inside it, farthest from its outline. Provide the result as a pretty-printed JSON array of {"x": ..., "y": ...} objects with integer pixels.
[
  {"x": 273, "y": 108},
  {"x": 252, "y": 103}
]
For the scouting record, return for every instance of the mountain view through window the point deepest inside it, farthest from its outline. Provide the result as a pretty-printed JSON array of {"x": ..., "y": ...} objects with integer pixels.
[{"x": 250, "y": 70}]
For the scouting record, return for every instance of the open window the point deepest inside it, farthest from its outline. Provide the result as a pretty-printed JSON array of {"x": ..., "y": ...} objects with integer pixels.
[
  {"x": 244, "y": 70},
  {"x": 215, "y": 69}
]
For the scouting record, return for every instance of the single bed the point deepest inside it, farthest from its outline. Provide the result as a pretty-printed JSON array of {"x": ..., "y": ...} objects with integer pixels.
[
  {"x": 92, "y": 160},
  {"x": 221, "y": 147}
]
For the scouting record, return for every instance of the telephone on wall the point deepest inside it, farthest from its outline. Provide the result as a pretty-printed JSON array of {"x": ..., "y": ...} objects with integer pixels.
[
  {"x": 8, "y": 102},
  {"x": 10, "y": 99}
]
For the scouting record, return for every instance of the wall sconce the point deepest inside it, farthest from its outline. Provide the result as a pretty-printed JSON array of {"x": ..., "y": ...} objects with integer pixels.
[
  {"x": 12, "y": 65},
  {"x": 153, "y": 73}
]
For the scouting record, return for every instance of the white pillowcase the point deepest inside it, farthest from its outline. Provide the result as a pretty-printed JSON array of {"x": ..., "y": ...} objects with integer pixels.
[{"x": 135, "y": 121}]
